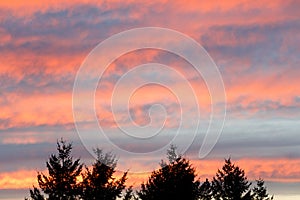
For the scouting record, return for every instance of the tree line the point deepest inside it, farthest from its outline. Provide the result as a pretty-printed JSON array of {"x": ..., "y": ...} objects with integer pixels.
[{"x": 176, "y": 179}]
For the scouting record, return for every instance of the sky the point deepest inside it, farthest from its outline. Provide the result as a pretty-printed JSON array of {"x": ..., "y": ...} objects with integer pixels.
[{"x": 254, "y": 44}]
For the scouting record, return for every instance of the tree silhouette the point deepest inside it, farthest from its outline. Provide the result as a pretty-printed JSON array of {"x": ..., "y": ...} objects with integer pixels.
[
  {"x": 36, "y": 194},
  {"x": 172, "y": 156},
  {"x": 175, "y": 180},
  {"x": 230, "y": 183},
  {"x": 61, "y": 183},
  {"x": 129, "y": 194},
  {"x": 260, "y": 191},
  {"x": 99, "y": 182},
  {"x": 205, "y": 191}
]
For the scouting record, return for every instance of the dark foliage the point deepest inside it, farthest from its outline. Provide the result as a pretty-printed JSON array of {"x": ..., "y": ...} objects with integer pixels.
[
  {"x": 230, "y": 183},
  {"x": 175, "y": 180},
  {"x": 129, "y": 194},
  {"x": 260, "y": 191},
  {"x": 99, "y": 182},
  {"x": 64, "y": 172},
  {"x": 61, "y": 182},
  {"x": 205, "y": 192},
  {"x": 36, "y": 194}
]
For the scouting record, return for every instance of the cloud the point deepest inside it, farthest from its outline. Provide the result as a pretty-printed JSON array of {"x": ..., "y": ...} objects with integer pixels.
[
  {"x": 272, "y": 170},
  {"x": 14, "y": 181}
]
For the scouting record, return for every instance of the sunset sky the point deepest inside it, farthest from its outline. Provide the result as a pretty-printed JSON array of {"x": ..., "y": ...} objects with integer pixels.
[{"x": 255, "y": 44}]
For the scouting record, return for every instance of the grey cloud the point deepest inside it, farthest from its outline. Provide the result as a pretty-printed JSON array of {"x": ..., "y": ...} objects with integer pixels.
[
  {"x": 264, "y": 109},
  {"x": 264, "y": 50}
]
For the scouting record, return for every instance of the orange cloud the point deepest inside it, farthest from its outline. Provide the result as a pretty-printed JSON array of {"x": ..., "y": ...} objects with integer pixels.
[
  {"x": 277, "y": 170},
  {"x": 281, "y": 169},
  {"x": 222, "y": 11},
  {"x": 34, "y": 110},
  {"x": 255, "y": 87},
  {"x": 38, "y": 108},
  {"x": 58, "y": 65},
  {"x": 18, "y": 179}
]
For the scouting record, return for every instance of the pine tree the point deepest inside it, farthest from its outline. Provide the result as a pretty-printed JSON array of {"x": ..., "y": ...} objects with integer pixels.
[
  {"x": 174, "y": 180},
  {"x": 260, "y": 191},
  {"x": 205, "y": 191},
  {"x": 61, "y": 182},
  {"x": 129, "y": 194},
  {"x": 172, "y": 156},
  {"x": 230, "y": 183},
  {"x": 99, "y": 182},
  {"x": 35, "y": 194}
]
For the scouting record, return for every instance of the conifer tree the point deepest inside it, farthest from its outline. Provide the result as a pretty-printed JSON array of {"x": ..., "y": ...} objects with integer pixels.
[
  {"x": 260, "y": 191},
  {"x": 205, "y": 191},
  {"x": 230, "y": 183},
  {"x": 61, "y": 183},
  {"x": 175, "y": 180},
  {"x": 100, "y": 183}
]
